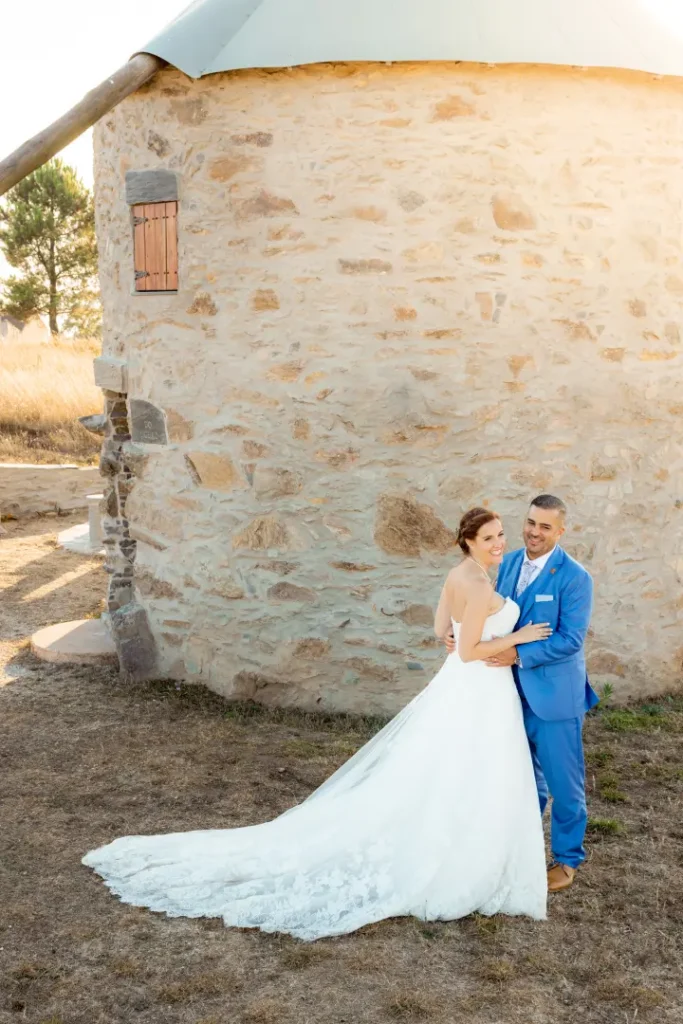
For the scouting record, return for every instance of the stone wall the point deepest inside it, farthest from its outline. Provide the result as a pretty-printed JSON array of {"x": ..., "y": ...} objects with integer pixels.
[
  {"x": 119, "y": 461},
  {"x": 403, "y": 290}
]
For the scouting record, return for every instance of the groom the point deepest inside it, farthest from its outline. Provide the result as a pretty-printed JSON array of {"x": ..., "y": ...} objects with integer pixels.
[{"x": 551, "y": 678}]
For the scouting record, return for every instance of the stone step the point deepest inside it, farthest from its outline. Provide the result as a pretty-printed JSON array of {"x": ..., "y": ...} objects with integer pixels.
[
  {"x": 77, "y": 539},
  {"x": 83, "y": 642}
]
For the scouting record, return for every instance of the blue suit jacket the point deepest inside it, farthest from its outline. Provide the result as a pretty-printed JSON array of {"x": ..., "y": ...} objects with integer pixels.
[{"x": 553, "y": 675}]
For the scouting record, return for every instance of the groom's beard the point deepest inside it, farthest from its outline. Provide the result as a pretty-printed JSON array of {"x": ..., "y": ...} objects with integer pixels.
[{"x": 538, "y": 548}]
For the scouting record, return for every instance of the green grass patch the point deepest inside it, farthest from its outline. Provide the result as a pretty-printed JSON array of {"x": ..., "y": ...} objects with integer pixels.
[
  {"x": 628, "y": 720},
  {"x": 305, "y": 750},
  {"x": 605, "y": 827},
  {"x": 611, "y": 795},
  {"x": 608, "y": 788},
  {"x": 599, "y": 758},
  {"x": 657, "y": 771}
]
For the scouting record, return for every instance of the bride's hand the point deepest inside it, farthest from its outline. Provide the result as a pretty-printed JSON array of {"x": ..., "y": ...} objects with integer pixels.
[{"x": 534, "y": 631}]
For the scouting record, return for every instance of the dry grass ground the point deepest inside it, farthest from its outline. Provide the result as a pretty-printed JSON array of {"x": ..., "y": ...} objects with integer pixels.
[
  {"x": 43, "y": 391},
  {"x": 84, "y": 758}
]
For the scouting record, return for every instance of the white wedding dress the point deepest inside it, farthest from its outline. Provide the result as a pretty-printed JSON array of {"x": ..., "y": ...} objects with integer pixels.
[{"x": 437, "y": 817}]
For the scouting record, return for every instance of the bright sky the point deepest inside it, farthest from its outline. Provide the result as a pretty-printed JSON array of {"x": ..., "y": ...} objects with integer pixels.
[{"x": 54, "y": 51}]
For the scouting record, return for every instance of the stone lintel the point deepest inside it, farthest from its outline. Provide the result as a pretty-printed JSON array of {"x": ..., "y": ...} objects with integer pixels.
[{"x": 158, "y": 186}]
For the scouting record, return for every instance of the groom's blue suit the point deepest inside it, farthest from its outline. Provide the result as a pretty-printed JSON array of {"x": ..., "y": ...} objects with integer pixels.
[{"x": 555, "y": 691}]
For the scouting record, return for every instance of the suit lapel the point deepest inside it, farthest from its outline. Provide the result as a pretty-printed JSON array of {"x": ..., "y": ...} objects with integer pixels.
[
  {"x": 527, "y": 599},
  {"x": 508, "y": 585}
]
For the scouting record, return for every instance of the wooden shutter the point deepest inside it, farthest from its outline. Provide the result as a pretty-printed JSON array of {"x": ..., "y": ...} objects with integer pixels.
[{"x": 155, "y": 228}]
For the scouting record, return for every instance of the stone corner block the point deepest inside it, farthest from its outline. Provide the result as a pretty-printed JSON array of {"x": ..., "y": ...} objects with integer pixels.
[
  {"x": 111, "y": 374},
  {"x": 134, "y": 641},
  {"x": 147, "y": 422}
]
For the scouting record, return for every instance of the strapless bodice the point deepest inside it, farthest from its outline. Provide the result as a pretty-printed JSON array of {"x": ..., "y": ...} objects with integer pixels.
[{"x": 501, "y": 623}]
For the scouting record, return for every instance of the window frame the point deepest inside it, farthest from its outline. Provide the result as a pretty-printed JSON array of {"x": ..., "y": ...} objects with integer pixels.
[{"x": 152, "y": 234}]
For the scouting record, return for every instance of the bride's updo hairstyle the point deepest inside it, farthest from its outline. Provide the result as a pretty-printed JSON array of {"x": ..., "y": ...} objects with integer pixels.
[{"x": 470, "y": 525}]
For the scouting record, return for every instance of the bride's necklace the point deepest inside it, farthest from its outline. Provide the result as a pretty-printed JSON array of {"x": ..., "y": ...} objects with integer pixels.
[{"x": 481, "y": 567}]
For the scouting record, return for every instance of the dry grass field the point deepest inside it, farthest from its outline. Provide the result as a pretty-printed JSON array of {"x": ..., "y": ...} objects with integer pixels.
[
  {"x": 44, "y": 388},
  {"x": 85, "y": 757}
]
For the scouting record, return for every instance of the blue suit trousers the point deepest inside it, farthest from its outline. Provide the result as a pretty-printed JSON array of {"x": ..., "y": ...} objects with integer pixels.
[{"x": 557, "y": 754}]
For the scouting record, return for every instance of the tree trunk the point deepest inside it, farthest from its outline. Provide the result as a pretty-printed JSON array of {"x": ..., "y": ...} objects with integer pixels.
[
  {"x": 52, "y": 315},
  {"x": 54, "y": 297}
]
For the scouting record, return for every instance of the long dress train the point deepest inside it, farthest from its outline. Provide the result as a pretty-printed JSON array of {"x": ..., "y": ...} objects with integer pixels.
[{"x": 437, "y": 817}]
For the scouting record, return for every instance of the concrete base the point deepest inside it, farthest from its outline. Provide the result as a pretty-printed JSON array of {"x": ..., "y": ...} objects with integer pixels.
[
  {"x": 84, "y": 642},
  {"x": 77, "y": 539}
]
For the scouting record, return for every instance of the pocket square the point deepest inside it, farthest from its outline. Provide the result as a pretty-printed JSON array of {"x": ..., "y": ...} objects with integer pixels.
[{"x": 544, "y": 597}]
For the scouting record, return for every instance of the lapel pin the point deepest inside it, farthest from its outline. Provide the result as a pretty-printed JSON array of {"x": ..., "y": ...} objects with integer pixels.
[{"x": 553, "y": 571}]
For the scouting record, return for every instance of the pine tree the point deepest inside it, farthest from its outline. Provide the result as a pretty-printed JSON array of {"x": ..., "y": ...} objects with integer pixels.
[{"x": 47, "y": 232}]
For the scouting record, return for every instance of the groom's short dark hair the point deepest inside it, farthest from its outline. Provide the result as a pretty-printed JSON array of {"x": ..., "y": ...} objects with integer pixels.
[{"x": 549, "y": 501}]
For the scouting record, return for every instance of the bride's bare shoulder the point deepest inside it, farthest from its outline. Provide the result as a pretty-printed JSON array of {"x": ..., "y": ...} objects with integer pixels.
[{"x": 468, "y": 579}]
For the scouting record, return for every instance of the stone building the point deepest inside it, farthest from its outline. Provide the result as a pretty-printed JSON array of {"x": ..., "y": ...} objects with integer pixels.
[
  {"x": 346, "y": 299},
  {"x": 13, "y": 331}
]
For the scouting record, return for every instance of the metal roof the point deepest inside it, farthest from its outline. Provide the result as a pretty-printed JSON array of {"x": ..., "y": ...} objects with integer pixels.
[{"x": 224, "y": 35}]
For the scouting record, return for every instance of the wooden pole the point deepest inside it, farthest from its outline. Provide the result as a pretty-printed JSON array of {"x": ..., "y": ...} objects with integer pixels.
[{"x": 93, "y": 106}]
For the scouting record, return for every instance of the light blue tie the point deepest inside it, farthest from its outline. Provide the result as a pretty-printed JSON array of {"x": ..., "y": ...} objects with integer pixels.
[{"x": 525, "y": 576}]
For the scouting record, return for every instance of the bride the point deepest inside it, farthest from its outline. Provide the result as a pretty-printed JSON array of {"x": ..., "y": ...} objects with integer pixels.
[{"x": 436, "y": 817}]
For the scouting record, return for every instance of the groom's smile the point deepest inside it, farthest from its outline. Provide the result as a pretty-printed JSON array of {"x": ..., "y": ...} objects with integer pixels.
[{"x": 542, "y": 530}]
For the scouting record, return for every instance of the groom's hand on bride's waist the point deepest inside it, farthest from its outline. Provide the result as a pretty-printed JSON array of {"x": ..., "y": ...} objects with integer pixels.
[{"x": 503, "y": 660}]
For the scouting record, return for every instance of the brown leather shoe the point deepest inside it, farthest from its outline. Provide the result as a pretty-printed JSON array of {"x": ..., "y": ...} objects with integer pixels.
[{"x": 560, "y": 876}]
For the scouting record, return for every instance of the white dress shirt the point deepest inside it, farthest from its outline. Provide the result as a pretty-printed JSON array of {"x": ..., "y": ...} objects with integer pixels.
[{"x": 531, "y": 568}]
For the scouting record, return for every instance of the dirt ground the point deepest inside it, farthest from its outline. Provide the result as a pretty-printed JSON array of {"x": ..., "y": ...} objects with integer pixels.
[{"x": 84, "y": 758}]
